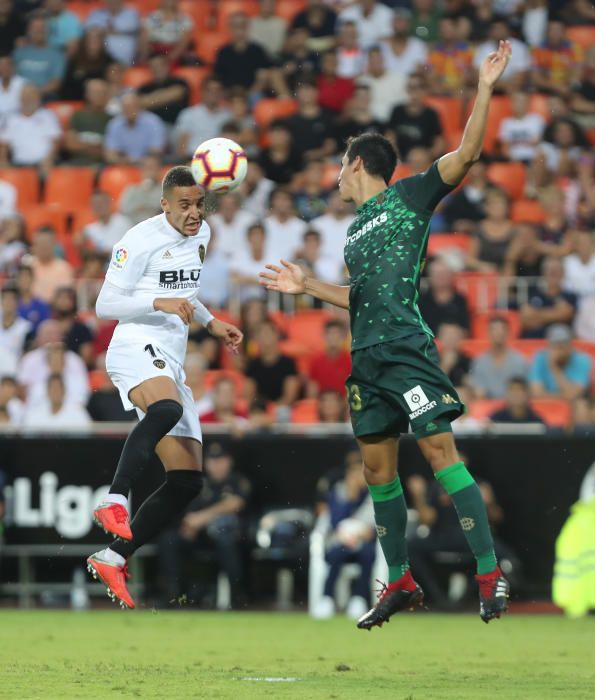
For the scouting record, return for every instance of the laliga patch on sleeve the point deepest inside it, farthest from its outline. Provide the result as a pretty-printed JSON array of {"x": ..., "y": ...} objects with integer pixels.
[{"x": 120, "y": 258}]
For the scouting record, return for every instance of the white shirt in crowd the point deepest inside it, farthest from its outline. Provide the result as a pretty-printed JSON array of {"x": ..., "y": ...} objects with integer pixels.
[
  {"x": 412, "y": 57},
  {"x": 214, "y": 279},
  {"x": 386, "y": 92},
  {"x": 8, "y": 199},
  {"x": 31, "y": 138},
  {"x": 200, "y": 124},
  {"x": 351, "y": 63},
  {"x": 13, "y": 337},
  {"x": 256, "y": 202},
  {"x": 584, "y": 322},
  {"x": 519, "y": 61},
  {"x": 245, "y": 265},
  {"x": 231, "y": 235},
  {"x": 10, "y": 97},
  {"x": 332, "y": 235},
  {"x": 522, "y": 135},
  {"x": 33, "y": 373},
  {"x": 283, "y": 237},
  {"x": 373, "y": 28},
  {"x": 70, "y": 415},
  {"x": 16, "y": 411},
  {"x": 155, "y": 260},
  {"x": 105, "y": 236},
  {"x": 579, "y": 277}
]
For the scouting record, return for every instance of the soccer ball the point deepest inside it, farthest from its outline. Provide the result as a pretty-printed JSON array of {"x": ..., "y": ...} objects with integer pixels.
[{"x": 219, "y": 165}]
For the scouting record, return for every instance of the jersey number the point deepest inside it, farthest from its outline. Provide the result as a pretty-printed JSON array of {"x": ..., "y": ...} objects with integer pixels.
[
  {"x": 355, "y": 399},
  {"x": 151, "y": 350}
]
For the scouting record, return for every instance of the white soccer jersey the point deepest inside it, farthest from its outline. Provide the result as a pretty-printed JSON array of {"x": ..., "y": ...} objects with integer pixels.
[{"x": 154, "y": 260}]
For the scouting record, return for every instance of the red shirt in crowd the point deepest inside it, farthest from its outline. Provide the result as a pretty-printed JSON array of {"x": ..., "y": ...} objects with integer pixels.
[
  {"x": 333, "y": 93},
  {"x": 330, "y": 373},
  {"x": 213, "y": 417}
]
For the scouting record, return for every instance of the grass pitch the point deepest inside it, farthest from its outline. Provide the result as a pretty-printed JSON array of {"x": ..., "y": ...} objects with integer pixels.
[{"x": 182, "y": 655}]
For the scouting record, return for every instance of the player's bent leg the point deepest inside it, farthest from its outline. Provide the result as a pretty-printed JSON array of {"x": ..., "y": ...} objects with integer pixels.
[
  {"x": 440, "y": 451},
  {"x": 379, "y": 455},
  {"x": 158, "y": 399}
]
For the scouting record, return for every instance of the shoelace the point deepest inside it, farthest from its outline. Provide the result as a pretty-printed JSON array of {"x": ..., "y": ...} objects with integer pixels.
[
  {"x": 120, "y": 513},
  {"x": 125, "y": 571},
  {"x": 381, "y": 592}
]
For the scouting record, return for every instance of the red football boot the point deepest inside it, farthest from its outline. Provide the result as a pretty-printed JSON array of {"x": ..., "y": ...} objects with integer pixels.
[
  {"x": 113, "y": 518},
  {"x": 494, "y": 592},
  {"x": 403, "y": 594},
  {"x": 113, "y": 576}
]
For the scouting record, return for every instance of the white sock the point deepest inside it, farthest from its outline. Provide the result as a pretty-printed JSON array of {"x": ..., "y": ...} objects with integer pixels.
[
  {"x": 112, "y": 557},
  {"x": 116, "y": 498}
]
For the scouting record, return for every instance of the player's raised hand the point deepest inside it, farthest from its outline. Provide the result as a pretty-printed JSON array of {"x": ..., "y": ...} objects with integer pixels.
[
  {"x": 289, "y": 279},
  {"x": 179, "y": 307},
  {"x": 493, "y": 66},
  {"x": 230, "y": 335}
]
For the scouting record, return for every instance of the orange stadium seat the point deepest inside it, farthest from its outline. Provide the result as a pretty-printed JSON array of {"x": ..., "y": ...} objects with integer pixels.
[
  {"x": 441, "y": 242},
  {"x": 114, "y": 179},
  {"x": 305, "y": 411},
  {"x": 43, "y": 215},
  {"x": 555, "y": 413},
  {"x": 288, "y": 9},
  {"x": 70, "y": 188},
  {"x": 481, "y": 321},
  {"x": 227, "y": 8},
  {"x": 508, "y": 176},
  {"x": 281, "y": 320},
  {"x": 64, "y": 110},
  {"x": 330, "y": 175},
  {"x": 527, "y": 211},
  {"x": 583, "y": 35},
  {"x": 402, "y": 170},
  {"x": 307, "y": 327},
  {"x": 539, "y": 103},
  {"x": 453, "y": 140},
  {"x": 479, "y": 288},
  {"x": 135, "y": 76},
  {"x": 208, "y": 44},
  {"x": 500, "y": 107},
  {"x": 267, "y": 110},
  {"x": 450, "y": 110},
  {"x": 202, "y": 12},
  {"x": 529, "y": 346},
  {"x": 475, "y": 346},
  {"x": 26, "y": 182},
  {"x": 482, "y": 409},
  {"x": 81, "y": 218},
  {"x": 145, "y": 6},
  {"x": 98, "y": 379},
  {"x": 83, "y": 9},
  {"x": 301, "y": 352},
  {"x": 193, "y": 75}
]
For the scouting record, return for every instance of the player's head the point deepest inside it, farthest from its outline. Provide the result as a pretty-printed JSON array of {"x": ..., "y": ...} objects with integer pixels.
[
  {"x": 369, "y": 156},
  {"x": 182, "y": 200}
]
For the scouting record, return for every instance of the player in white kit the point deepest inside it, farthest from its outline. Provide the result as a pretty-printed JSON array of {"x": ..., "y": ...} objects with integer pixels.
[{"x": 151, "y": 288}]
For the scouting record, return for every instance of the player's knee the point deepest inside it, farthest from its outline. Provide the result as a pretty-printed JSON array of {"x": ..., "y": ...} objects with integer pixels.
[
  {"x": 184, "y": 484},
  {"x": 167, "y": 412}
]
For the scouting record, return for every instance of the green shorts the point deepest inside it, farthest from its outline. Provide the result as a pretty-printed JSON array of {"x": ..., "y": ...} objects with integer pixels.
[{"x": 396, "y": 384}]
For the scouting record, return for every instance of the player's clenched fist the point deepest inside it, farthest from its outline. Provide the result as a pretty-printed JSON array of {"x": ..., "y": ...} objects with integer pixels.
[
  {"x": 180, "y": 307},
  {"x": 230, "y": 335}
]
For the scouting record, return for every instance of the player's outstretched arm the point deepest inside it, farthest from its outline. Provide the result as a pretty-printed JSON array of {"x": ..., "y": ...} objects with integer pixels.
[
  {"x": 454, "y": 166},
  {"x": 289, "y": 278}
]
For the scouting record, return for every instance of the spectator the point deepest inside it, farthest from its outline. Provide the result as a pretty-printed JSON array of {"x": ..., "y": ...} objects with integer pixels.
[
  {"x": 524, "y": 257},
  {"x": 203, "y": 121},
  {"x": 558, "y": 155},
  {"x": 248, "y": 262},
  {"x": 37, "y": 62},
  {"x": 297, "y": 59},
  {"x": 441, "y": 303},
  {"x": 267, "y": 30},
  {"x": 321, "y": 266},
  {"x": 550, "y": 305},
  {"x": 583, "y": 96},
  {"x": 584, "y": 324},
  {"x": 231, "y": 223},
  {"x": 141, "y": 201},
  {"x": 134, "y": 134},
  {"x": 272, "y": 375},
  {"x": 583, "y": 418},
  {"x": 12, "y": 27},
  {"x": 333, "y": 226},
  {"x": 164, "y": 95},
  {"x": 453, "y": 360},
  {"x": 214, "y": 277},
  {"x": 105, "y": 404},
  {"x": 64, "y": 27},
  {"x": 351, "y": 539},
  {"x": 49, "y": 271},
  {"x": 256, "y": 191},
  {"x": 12, "y": 234},
  {"x": 579, "y": 266},
  {"x": 225, "y": 406},
  {"x": 310, "y": 127},
  {"x": 450, "y": 61},
  {"x": 11, "y": 86},
  {"x": 372, "y": 19},
  {"x": 310, "y": 197},
  {"x": 213, "y": 521},
  {"x": 520, "y": 134},
  {"x": 241, "y": 113},
  {"x": 357, "y": 117},
  {"x": 464, "y": 208},
  {"x": 425, "y": 20},
  {"x": 492, "y": 370},
  {"x": 517, "y": 408},
  {"x": 419, "y": 159},
  {"x": 284, "y": 230},
  {"x": 319, "y": 21},
  {"x": 516, "y": 74},
  {"x": 105, "y": 230},
  {"x": 121, "y": 25},
  {"x": 195, "y": 368},
  {"x": 493, "y": 236},
  {"x": 10, "y": 401},
  {"x": 560, "y": 371},
  {"x": 83, "y": 140},
  {"x": 56, "y": 413},
  {"x": 333, "y": 91},
  {"x": 403, "y": 53},
  {"x": 76, "y": 335},
  {"x": 167, "y": 32},
  {"x": 534, "y": 21},
  {"x": 13, "y": 329},
  {"x": 330, "y": 368},
  {"x": 31, "y": 307},
  {"x": 332, "y": 407},
  {"x": 414, "y": 124},
  {"x": 50, "y": 357},
  {"x": 281, "y": 159},
  {"x": 241, "y": 62},
  {"x": 351, "y": 58},
  {"x": 252, "y": 315},
  {"x": 31, "y": 137},
  {"x": 90, "y": 61},
  {"x": 114, "y": 76},
  {"x": 557, "y": 62},
  {"x": 387, "y": 89}
]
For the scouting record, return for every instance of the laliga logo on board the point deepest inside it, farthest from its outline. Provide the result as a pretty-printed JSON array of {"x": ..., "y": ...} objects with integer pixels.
[{"x": 69, "y": 509}]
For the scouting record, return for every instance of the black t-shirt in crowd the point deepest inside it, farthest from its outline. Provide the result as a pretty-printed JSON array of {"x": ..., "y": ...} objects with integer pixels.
[
  {"x": 11, "y": 28},
  {"x": 349, "y": 127},
  {"x": 234, "y": 67},
  {"x": 215, "y": 491},
  {"x": 168, "y": 112},
  {"x": 460, "y": 206},
  {"x": 270, "y": 378},
  {"x": 459, "y": 370},
  {"x": 310, "y": 132},
  {"x": 281, "y": 172},
  {"x": 413, "y": 130},
  {"x": 77, "y": 335},
  {"x": 325, "y": 28},
  {"x": 505, "y": 416},
  {"x": 539, "y": 299},
  {"x": 455, "y": 311}
]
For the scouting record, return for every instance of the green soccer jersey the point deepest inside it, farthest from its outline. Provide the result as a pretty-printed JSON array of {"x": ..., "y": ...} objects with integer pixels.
[{"x": 384, "y": 253}]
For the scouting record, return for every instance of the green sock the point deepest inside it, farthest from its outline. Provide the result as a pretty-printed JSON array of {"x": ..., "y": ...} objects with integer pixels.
[
  {"x": 466, "y": 496},
  {"x": 390, "y": 512}
]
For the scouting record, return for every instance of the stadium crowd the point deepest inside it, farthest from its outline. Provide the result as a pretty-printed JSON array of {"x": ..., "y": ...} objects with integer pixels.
[{"x": 97, "y": 99}]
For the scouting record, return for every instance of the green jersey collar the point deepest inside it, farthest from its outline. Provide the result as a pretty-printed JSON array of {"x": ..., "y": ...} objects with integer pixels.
[{"x": 376, "y": 200}]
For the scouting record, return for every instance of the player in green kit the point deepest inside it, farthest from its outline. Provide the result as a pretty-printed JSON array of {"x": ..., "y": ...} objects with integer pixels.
[{"x": 396, "y": 380}]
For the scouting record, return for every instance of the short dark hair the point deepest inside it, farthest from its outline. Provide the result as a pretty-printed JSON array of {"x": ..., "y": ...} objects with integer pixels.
[
  {"x": 335, "y": 323},
  {"x": 519, "y": 381},
  {"x": 180, "y": 176},
  {"x": 312, "y": 233},
  {"x": 498, "y": 318},
  {"x": 377, "y": 153},
  {"x": 10, "y": 288},
  {"x": 7, "y": 378}
]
